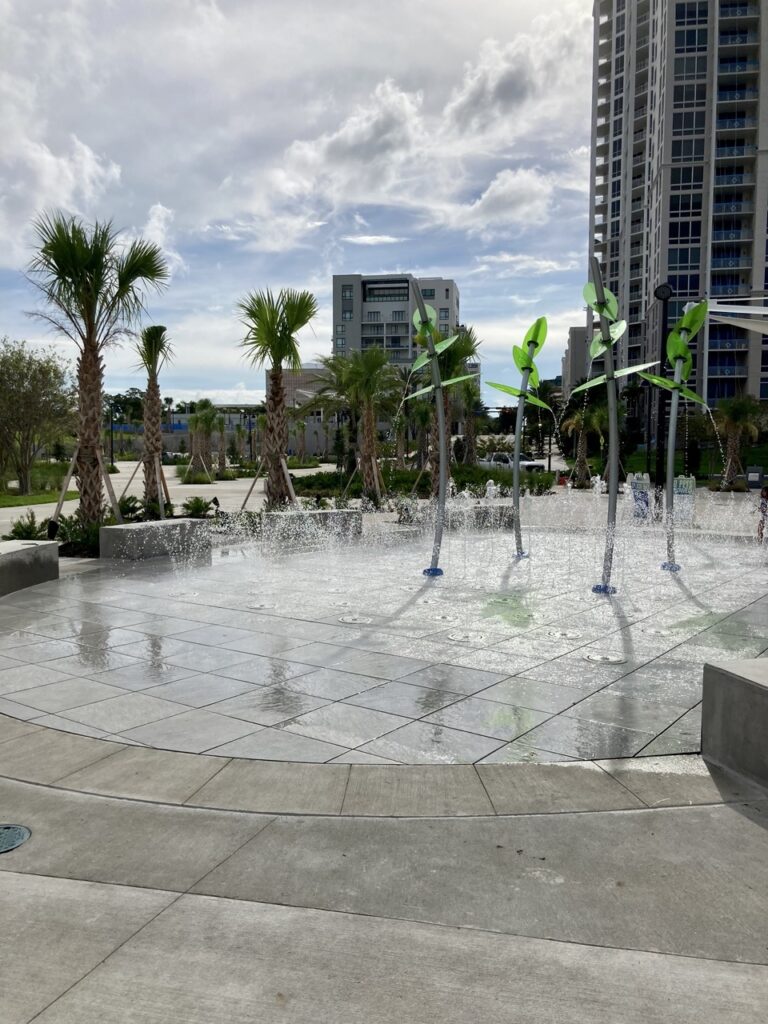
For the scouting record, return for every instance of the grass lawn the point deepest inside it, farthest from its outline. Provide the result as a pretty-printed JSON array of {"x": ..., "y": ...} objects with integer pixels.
[{"x": 22, "y": 500}]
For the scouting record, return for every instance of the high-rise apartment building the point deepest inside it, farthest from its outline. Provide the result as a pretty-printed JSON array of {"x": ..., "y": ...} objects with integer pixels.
[
  {"x": 378, "y": 311},
  {"x": 680, "y": 173}
]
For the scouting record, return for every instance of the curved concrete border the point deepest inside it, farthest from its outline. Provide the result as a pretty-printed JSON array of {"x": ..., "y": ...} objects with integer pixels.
[
  {"x": 25, "y": 563},
  {"x": 31, "y": 753}
]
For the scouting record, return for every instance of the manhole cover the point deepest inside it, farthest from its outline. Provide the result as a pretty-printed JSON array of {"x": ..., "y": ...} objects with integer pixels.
[
  {"x": 12, "y": 836},
  {"x": 360, "y": 619},
  {"x": 606, "y": 659},
  {"x": 467, "y": 638},
  {"x": 565, "y": 634}
]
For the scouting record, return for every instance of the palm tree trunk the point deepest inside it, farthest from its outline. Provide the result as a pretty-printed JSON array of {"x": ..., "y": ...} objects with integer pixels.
[
  {"x": 470, "y": 438},
  {"x": 732, "y": 460},
  {"x": 222, "y": 453},
  {"x": 90, "y": 374},
  {"x": 275, "y": 439},
  {"x": 368, "y": 452},
  {"x": 582, "y": 466},
  {"x": 153, "y": 439}
]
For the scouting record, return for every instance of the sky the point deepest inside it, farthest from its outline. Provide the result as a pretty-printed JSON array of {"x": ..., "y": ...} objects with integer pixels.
[{"x": 268, "y": 145}]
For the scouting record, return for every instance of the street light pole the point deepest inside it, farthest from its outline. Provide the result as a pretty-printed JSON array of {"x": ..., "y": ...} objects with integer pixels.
[
  {"x": 111, "y": 433},
  {"x": 664, "y": 293}
]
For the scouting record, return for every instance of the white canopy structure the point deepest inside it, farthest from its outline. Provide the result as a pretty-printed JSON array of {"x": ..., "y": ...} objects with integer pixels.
[{"x": 749, "y": 318}]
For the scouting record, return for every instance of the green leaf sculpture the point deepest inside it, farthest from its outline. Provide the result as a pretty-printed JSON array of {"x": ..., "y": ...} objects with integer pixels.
[
  {"x": 425, "y": 358},
  {"x": 679, "y": 355},
  {"x": 523, "y": 358}
]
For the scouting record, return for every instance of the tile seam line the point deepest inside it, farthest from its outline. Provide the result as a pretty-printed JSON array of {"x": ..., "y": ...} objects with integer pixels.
[
  {"x": 485, "y": 789},
  {"x": 375, "y": 917},
  {"x": 625, "y": 786},
  {"x": 335, "y": 815},
  {"x": 487, "y": 931},
  {"x": 183, "y": 803}
]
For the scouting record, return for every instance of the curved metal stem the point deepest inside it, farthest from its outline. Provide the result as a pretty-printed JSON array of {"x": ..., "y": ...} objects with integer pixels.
[
  {"x": 613, "y": 436},
  {"x": 440, "y": 412},
  {"x": 516, "y": 457},
  {"x": 670, "y": 481}
]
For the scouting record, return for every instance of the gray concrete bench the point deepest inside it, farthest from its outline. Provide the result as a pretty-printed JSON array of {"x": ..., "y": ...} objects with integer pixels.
[
  {"x": 159, "y": 539},
  {"x": 23, "y": 563},
  {"x": 734, "y": 717}
]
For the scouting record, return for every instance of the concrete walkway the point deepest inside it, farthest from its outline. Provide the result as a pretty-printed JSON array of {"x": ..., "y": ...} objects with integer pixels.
[{"x": 619, "y": 893}]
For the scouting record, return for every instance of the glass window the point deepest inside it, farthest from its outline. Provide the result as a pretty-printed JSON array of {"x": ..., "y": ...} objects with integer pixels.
[
  {"x": 373, "y": 317},
  {"x": 346, "y": 314},
  {"x": 428, "y": 293},
  {"x": 443, "y": 314},
  {"x": 341, "y": 328},
  {"x": 346, "y": 291},
  {"x": 398, "y": 314}
]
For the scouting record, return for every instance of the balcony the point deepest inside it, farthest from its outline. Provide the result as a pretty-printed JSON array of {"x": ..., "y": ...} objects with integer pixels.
[
  {"x": 734, "y": 179},
  {"x": 727, "y": 152},
  {"x": 742, "y": 288},
  {"x": 729, "y": 123},
  {"x": 735, "y": 207},
  {"x": 734, "y": 38},
  {"x": 732, "y": 263},
  {"x": 738, "y": 67},
  {"x": 735, "y": 235},
  {"x": 727, "y": 371},
  {"x": 736, "y": 95},
  {"x": 735, "y": 10}
]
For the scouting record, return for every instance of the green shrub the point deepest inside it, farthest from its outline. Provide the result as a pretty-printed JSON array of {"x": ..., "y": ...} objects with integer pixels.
[
  {"x": 308, "y": 462},
  {"x": 28, "y": 528},
  {"x": 197, "y": 508},
  {"x": 77, "y": 538},
  {"x": 227, "y": 474}
]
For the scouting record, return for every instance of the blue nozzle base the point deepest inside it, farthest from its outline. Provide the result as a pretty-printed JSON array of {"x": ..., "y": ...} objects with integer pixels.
[
  {"x": 432, "y": 572},
  {"x": 603, "y": 588},
  {"x": 671, "y": 566}
]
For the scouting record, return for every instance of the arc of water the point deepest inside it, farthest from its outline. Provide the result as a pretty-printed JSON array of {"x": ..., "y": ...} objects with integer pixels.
[
  {"x": 605, "y": 586},
  {"x": 434, "y": 569}
]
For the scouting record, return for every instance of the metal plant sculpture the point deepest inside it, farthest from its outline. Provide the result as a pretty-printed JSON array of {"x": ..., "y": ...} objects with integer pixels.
[
  {"x": 523, "y": 356},
  {"x": 425, "y": 322},
  {"x": 680, "y": 358},
  {"x": 605, "y": 304}
]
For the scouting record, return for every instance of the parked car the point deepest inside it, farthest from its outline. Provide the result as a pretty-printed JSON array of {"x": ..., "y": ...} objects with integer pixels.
[{"x": 504, "y": 460}]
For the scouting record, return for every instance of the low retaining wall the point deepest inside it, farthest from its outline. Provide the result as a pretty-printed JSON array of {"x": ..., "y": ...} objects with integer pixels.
[
  {"x": 23, "y": 563},
  {"x": 305, "y": 524},
  {"x": 734, "y": 717},
  {"x": 162, "y": 538}
]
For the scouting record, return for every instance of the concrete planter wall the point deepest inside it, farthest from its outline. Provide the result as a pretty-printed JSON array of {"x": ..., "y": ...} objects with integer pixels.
[
  {"x": 162, "y": 538},
  {"x": 23, "y": 563},
  {"x": 734, "y": 717}
]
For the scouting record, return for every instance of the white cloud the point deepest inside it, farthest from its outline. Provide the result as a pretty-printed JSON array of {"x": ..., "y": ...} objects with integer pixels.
[
  {"x": 158, "y": 230},
  {"x": 514, "y": 199},
  {"x": 508, "y": 264},
  {"x": 371, "y": 239}
]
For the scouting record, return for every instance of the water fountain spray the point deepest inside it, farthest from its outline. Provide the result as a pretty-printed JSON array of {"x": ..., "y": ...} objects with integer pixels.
[{"x": 533, "y": 342}]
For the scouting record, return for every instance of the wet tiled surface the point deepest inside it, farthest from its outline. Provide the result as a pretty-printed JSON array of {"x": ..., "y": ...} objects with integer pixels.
[{"x": 272, "y": 658}]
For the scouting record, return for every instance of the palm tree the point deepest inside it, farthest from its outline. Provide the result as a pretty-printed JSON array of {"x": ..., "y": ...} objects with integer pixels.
[
  {"x": 472, "y": 406},
  {"x": 421, "y": 417},
  {"x": 584, "y": 421},
  {"x": 201, "y": 426},
  {"x": 240, "y": 440},
  {"x": 168, "y": 403},
  {"x": 736, "y": 418},
  {"x": 334, "y": 398},
  {"x": 93, "y": 287},
  {"x": 373, "y": 386},
  {"x": 154, "y": 350},
  {"x": 272, "y": 324},
  {"x": 221, "y": 428}
]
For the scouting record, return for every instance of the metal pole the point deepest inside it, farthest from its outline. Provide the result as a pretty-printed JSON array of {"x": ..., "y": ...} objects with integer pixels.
[
  {"x": 519, "y": 424},
  {"x": 671, "y": 565},
  {"x": 663, "y": 292},
  {"x": 111, "y": 434},
  {"x": 613, "y": 438},
  {"x": 433, "y": 569}
]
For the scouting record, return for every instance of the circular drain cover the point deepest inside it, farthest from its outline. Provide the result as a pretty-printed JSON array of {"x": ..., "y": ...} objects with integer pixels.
[
  {"x": 261, "y": 605},
  {"x": 361, "y": 619},
  {"x": 606, "y": 659},
  {"x": 12, "y": 836},
  {"x": 467, "y": 638},
  {"x": 565, "y": 634},
  {"x": 656, "y": 631}
]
